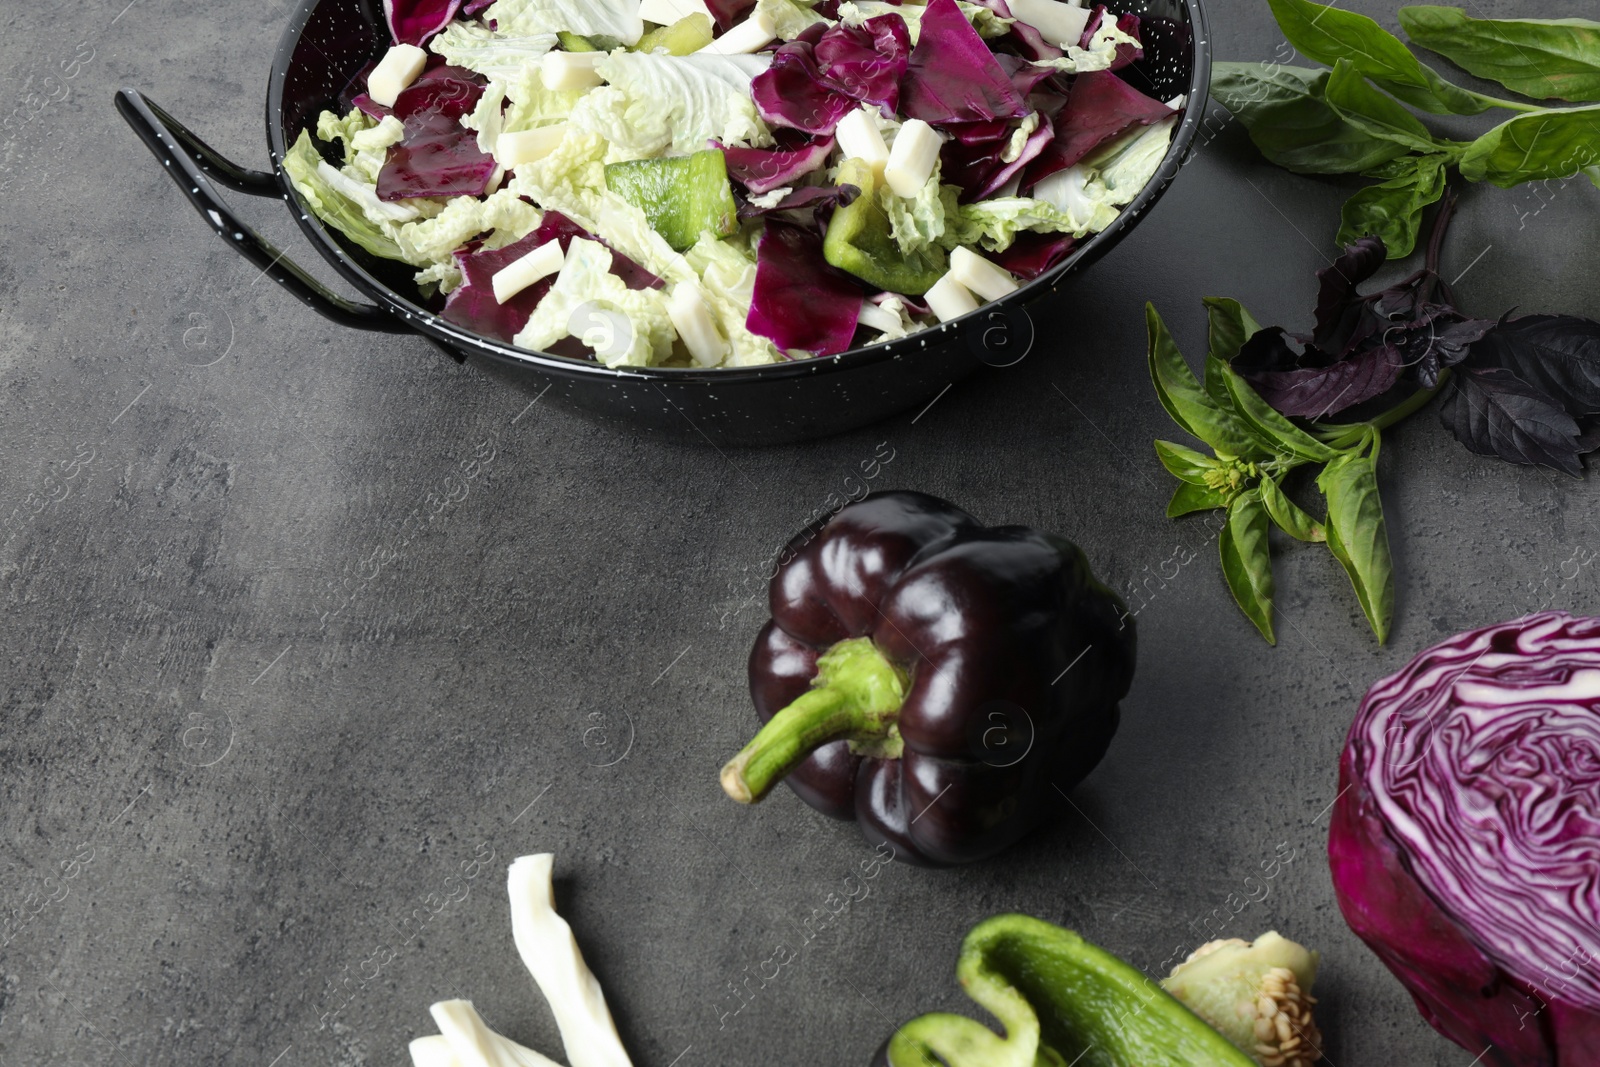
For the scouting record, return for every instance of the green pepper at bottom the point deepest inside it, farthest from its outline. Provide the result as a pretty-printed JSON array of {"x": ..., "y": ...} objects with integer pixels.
[{"x": 1062, "y": 1001}]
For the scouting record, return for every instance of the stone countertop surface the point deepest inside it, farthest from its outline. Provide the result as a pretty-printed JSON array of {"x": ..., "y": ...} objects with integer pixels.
[{"x": 308, "y": 632}]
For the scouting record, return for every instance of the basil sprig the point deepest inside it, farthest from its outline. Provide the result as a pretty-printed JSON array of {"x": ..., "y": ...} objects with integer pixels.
[
  {"x": 1255, "y": 450},
  {"x": 1352, "y": 119}
]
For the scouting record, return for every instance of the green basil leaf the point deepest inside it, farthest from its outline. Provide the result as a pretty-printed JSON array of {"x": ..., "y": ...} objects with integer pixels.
[
  {"x": 1229, "y": 326},
  {"x": 1393, "y": 209},
  {"x": 1357, "y": 536},
  {"x": 1247, "y": 560},
  {"x": 1374, "y": 113},
  {"x": 1289, "y": 516},
  {"x": 1272, "y": 429},
  {"x": 1286, "y": 113},
  {"x": 1536, "y": 146},
  {"x": 1188, "y": 404},
  {"x": 1185, "y": 464},
  {"x": 1329, "y": 34},
  {"x": 1542, "y": 58},
  {"x": 1191, "y": 498}
]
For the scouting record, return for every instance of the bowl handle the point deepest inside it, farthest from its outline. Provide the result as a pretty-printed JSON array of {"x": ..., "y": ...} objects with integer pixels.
[{"x": 194, "y": 165}]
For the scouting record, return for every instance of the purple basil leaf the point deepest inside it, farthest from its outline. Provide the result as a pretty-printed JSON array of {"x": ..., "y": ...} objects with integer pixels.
[
  {"x": 1128, "y": 24},
  {"x": 1444, "y": 341},
  {"x": 1028, "y": 38},
  {"x": 1031, "y": 254},
  {"x": 807, "y": 196},
  {"x": 800, "y": 302},
  {"x": 472, "y": 305},
  {"x": 1340, "y": 309},
  {"x": 437, "y": 156},
  {"x": 1494, "y": 413},
  {"x": 952, "y": 76},
  {"x": 792, "y": 91},
  {"x": 866, "y": 62},
  {"x": 1100, "y": 107},
  {"x": 1317, "y": 392},
  {"x": 762, "y": 170},
  {"x": 1559, "y": 354},
  {"x": 414, "y": 21},
  {"x": 1266, "y": 350}
]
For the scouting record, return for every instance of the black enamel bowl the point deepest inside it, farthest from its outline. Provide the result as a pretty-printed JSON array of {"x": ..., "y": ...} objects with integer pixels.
[{"x": 329, "y": 42}]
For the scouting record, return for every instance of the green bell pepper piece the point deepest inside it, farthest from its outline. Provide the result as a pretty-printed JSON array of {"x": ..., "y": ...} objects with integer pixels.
[
  {"x": 859, "y": 241},
  {"x": 1062, "y": 1001},
  {"x": 682, "y": 196},
  {"x": 577, "y": 42},
  {"x": 689, "y": 34}
]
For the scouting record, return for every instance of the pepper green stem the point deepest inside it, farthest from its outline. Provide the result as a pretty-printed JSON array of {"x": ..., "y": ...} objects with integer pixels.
[{"x": 856, "y": 697}]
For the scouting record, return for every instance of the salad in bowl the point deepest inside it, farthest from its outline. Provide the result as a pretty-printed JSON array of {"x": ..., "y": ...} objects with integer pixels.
[{"x": 732, "y": 182}]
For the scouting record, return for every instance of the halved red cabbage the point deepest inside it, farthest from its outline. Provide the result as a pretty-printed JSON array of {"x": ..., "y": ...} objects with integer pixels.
[
  {"x": 1128, "y": 24},
  {"x": 1100, "y": 108},
  {"x": 1031, "y": 254},
  {"x": 1465, "y": 843},
  {"x": 762, "y": 170},
  {"x": 414, "y": 21},
  {"x": 800, "y": 302},
  {"x": 437, "y": 156},
  {"x": 821, "y": 76},
  {"x": 952, "y": 76},
  {"x": 472, "y": 305}
]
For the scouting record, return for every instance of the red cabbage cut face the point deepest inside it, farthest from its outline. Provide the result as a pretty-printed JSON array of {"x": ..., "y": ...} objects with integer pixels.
[
  {"x": 952, "y": 76},
  {"x": 1465, "y": 844},
  {"x": 414, "y": 21},
  {"x": 800, "y": 302}
]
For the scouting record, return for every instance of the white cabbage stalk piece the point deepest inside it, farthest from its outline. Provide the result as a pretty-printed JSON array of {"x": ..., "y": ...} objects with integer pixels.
[{"x": 550, "y": 951}]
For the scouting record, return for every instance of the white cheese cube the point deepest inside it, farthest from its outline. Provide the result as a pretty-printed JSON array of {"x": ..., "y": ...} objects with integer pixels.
[
  {"x": 397, "y": 69},
  {"x": 984, "y": 278},
  {"x": 666, "y": 12},
  {"x": 858, "y": 138},
  {"x": 949, "y": 299},
  {"x": 1060, "y": 24},
  {"x": 751, "y": 35},
  {"x": 570, "y": 70},
  {"x": 516, "y": 276},
  {"x": 911, "y": 160},
  {"x": 692, "y": 319},
  {"x": 512, "y": 150}
]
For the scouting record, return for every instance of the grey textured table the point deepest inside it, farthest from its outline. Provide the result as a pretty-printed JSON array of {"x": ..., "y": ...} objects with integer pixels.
[{"x": 260, "y": 714}]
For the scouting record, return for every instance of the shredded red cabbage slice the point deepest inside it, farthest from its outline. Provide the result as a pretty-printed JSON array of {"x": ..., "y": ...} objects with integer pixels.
[
  {"x": 1100, "y": 108},
  {"x": 800, "y": 302},
  {"x": 414, "y": 21},
  {"x": 823, "y": 197},
  {"x": 762, "y": 170},
  {"x": 1031, "y": 254},
  {"x": 472, "y": 305},
  {"x": 1028, "y": 38},
  {"x": 370, "y": 107},
  {"x": 1465, "y": 844},
  {"x": 952, "y": 76},
  {"x": 1128, "y": 24},
  {"x": 866, "y": 62},
  {"x": 1025, "y": 76},
  {"x": 437, "y": 156},
  {"x": 972, "y": 156},
  {"x": 726, "y": 12}
]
